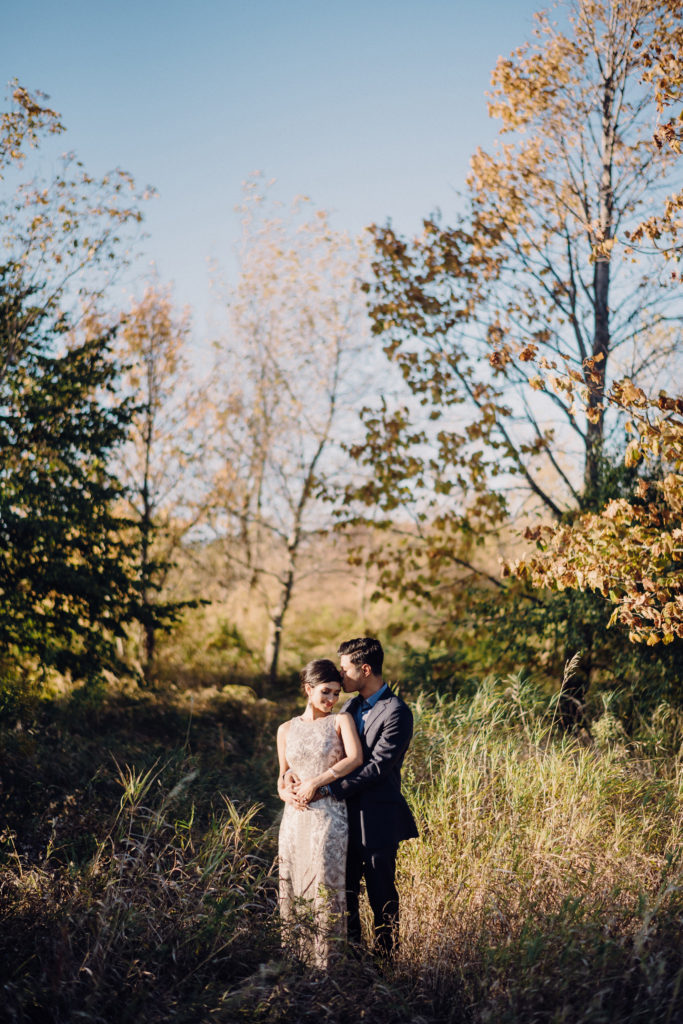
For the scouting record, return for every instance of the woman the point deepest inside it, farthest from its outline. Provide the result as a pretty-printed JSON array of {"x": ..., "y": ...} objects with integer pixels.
[{"x": 319, "y": 747}]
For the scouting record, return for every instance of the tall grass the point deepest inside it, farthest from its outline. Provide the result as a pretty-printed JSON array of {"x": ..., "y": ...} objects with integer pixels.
[
  {"x": 154, "y": 919},
  {"x": 546, "y": 884}
]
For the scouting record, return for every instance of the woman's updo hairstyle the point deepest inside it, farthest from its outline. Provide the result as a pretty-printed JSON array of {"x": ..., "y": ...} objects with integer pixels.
[{"x": 321, "y": 670}]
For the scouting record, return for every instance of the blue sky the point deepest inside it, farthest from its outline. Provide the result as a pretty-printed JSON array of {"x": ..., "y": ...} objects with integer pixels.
[{"x": 372, "y": 109}]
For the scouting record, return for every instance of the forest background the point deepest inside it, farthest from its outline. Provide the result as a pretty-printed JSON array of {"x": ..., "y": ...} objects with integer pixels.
[{"x": 466, "y": 441}]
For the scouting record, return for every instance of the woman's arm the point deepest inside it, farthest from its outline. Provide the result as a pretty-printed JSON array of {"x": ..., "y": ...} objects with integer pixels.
[
  {"x": 388, "y": 750},
  {"x": 353, "y": 758},
  {"x": 285, "y": 792}
]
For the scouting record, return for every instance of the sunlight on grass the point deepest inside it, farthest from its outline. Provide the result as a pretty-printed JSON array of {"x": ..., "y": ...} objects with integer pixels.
[{"x": 548, "y": 870}]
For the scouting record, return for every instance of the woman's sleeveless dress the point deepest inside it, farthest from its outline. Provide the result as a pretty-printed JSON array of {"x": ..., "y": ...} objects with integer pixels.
[{"x": 312, "y": 849}]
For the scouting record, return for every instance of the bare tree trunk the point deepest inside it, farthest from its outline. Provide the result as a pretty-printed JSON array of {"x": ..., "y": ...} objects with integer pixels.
[
  {"x": 601, "y": 282},
  {"x": 146, "y": 531},
  {"x": 272, "y": 651}
]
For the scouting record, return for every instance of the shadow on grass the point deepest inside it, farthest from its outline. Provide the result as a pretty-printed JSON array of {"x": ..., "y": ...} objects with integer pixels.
[{"x": 563, "y": 969}]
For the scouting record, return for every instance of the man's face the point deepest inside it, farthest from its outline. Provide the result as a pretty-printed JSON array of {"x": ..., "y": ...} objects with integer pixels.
[{"x": 352, "y": 675}]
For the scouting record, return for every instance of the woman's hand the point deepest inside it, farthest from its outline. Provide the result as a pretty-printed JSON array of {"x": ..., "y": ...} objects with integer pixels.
[
  {"x": 290, "y": 779},
  {"x": 290, "y": 796},
  {"x": 289, "y": 790},
  {"x": 307, "y": 791}
]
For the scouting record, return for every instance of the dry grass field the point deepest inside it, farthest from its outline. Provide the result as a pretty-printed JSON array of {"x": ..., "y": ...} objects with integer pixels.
[{"x": 138, "y": 876}]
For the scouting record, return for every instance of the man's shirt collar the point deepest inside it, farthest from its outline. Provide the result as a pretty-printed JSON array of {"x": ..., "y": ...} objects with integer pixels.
[{"x": 371, "y": 701}]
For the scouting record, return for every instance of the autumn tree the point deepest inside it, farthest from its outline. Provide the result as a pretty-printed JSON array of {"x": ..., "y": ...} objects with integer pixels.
[
  {"x": 157, "y": 464},
  {"x": 663, "y": 72},
  {"x": 285, "y": 375},
  {"x": 539, "y": 269},
  {"x": 68, "y": 234},
  {"x": 631, "y": 551},
  {"x": 540, "y": 263}
]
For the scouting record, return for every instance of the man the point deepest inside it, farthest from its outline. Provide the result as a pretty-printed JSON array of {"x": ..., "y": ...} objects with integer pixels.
[{"x": 379, "y": 817}]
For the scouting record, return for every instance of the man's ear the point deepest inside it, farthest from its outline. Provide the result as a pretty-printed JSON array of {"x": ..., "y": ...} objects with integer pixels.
[{"x": 366, "y": 670}]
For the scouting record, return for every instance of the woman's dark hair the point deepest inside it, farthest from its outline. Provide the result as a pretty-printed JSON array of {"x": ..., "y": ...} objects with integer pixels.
[
  {"x": 321, "y": 670},
  {"x": 364, "y": 650}
]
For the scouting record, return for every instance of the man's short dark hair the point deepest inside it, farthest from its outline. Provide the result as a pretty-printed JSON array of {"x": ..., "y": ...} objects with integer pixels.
[{"x": 364, "y": 650}]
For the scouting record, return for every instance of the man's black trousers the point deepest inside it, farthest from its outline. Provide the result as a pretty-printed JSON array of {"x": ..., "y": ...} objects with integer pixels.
[{"x": 378, "y": 867}]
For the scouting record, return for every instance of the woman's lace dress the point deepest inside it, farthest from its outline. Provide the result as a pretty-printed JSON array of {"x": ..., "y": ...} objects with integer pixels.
[{"x": 312, "y": 849}]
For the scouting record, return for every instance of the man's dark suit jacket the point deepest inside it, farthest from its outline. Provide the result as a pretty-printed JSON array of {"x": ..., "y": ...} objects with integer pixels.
[{"x": 378, "y": 813}]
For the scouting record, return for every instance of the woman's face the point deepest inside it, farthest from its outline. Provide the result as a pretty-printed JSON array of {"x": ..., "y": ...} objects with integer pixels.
[{"x": 324, "y": 696}]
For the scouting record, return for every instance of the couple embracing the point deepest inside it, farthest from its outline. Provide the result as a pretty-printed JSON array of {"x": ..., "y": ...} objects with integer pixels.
[{"x": 340, "y": 779}]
